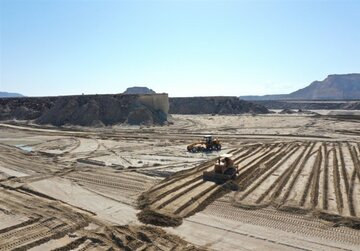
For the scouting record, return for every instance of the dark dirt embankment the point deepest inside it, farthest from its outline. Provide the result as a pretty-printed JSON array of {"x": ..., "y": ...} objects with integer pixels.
[
  {"x": 24, "y": 108},
  {"x": 309, "y": 105},
  {"x": 214, "y": 105},
  {"x": 101, "y": 110},
  {"x": 85, "y": 110}
]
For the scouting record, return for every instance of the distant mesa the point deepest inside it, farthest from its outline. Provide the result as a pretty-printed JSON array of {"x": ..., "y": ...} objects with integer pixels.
[
  {"x": 10, "y": 95},
  {"x": 334, "y": 87},
  {"x": 138, "y": 90}
]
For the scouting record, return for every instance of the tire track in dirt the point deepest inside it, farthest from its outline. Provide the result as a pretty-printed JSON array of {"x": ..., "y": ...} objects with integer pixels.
[
  {"x": 50, "y": 220},
  {"x": 276, "y": 219},
  {"x": 325, "y": 178},
  {"x": 296, "y": 176},
  {"x": 310, "y": 180},
  {"x": 314, "y": 193},
  {"x": 345, "y": 178},
  {"x": 280, "y": 182},
  {"x": 337, "y": 187},
  {"x": 270, "y": 167}
]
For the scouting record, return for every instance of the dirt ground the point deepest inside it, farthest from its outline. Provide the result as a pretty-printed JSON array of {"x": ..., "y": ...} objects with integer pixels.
[{"x": 77, "y": 188}]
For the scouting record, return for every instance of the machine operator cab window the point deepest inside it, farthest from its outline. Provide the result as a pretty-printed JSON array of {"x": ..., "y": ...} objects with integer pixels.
[
  {"x": 207, "y": 139},
  {"x": 223, "y": 162}
]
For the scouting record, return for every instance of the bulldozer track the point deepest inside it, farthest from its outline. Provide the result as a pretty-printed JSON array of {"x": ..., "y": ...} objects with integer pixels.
[
  {"x": 288, "y": 222},
  {"x": 49, "y": 219},
  {"x": 259, "y": 173},
  {"x": 336, "y": 179},
  {"x": 46, "y": 221},
  {"x": 106, "y": 183},
  {"x": 119, "y": 181},
  {"x": 17, "y": 160},
  {"x": 296, "y": 176}
]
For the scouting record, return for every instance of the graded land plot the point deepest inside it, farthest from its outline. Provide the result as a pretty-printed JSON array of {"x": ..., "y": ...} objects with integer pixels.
[{"x": 319, "y": 177}]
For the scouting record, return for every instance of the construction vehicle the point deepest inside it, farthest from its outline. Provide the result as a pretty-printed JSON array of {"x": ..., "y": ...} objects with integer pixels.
[
  {"x": 224, "y": 170},
  {"x": 207, "y": 144}
]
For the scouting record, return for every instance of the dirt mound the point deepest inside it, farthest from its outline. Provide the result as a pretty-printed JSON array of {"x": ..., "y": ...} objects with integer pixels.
[
  {"x": 97, "y": 110},
  {"x": 214, "y": 105},
  {"x": 148, "y": 216},
  {"x": 287, "y": 111},
  {"x": 134, "y": 237}
]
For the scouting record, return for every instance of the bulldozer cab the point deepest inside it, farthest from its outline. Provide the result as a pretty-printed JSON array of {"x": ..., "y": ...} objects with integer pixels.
[
  {"x": 208, "y": 139},
  {"x": 224, "y": 171},
  {"x": 224, "y": 161}
]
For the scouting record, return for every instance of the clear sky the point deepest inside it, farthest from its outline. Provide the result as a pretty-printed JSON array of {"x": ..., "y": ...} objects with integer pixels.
[{"x": 184, "y": 48}]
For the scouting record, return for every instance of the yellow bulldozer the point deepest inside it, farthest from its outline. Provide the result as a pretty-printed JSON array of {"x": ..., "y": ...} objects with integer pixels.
[
  {"x": 207, "y": 144},
  {"x": 224, "y": 170}
]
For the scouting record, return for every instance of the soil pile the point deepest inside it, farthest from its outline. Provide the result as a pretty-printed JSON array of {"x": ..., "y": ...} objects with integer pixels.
[
  {"x": 287, "y": 111},
  {"x": 214, "y": 105},
  {"x": 98, "y": 110},
  {"x": 300, "y": 111}
]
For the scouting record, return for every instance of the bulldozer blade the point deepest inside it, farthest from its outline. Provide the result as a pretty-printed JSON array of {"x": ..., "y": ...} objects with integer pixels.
[{"x": 216, "y": 177}]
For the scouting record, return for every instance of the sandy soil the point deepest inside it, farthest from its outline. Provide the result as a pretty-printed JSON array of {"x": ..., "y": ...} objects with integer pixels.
[{"x": 78, "y": 188}]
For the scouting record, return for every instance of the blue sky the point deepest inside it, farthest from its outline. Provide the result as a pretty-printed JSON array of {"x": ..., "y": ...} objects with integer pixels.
[{"x": 184, "y": 48}]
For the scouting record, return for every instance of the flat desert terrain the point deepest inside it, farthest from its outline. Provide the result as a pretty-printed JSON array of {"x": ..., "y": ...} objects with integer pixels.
[{"x": 137, "y": 187}]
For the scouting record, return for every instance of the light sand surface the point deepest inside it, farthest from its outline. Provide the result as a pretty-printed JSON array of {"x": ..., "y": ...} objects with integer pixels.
[
  {"x": 80, "y": 187},
  {"x": 222, "y": 234},
  {"x": 73, "y": 194}
]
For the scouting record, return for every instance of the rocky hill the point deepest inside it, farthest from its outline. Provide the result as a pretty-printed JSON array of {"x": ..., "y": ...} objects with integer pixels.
[
  {"x": 138, "y": 90},
  {"x": 214, "y": 105},
  {"x": 88, "y": 110},
  {"x": 334, "y": 87},
  {"x": 9, "y": 95}
]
